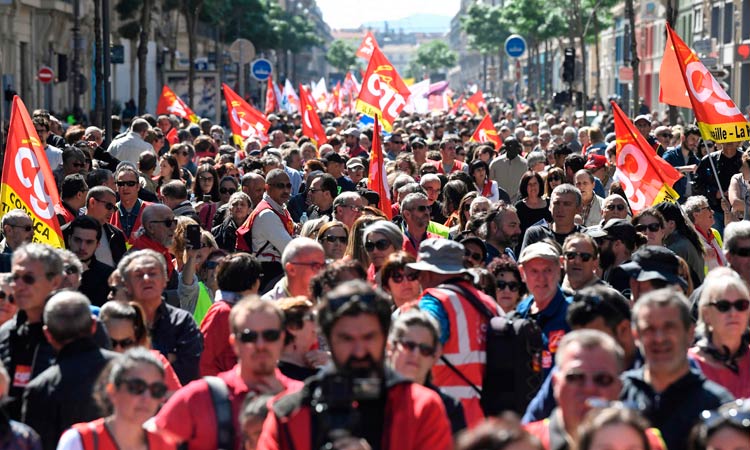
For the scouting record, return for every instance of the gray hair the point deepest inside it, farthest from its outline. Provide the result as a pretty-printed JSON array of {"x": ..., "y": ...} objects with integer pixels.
[
  {"x": 570, "y": 133},
  {"x": 401, "y": 181},
  {"x": 70, "y": 258},
  {"x": 589, "y": 339},
  {"x": 429, "y": 178},
  {"x": 478, "y": 201},
  {"x": 343, "y": 198},
  {"x": 534, "y": 158},
  {"x": 734, "y": 232},
  {"x": 297, "y": 247},
  {"x": 413, "y": 318},
  {"x": 48, "y": 256},
  {"x": 661, "y": 298},
  {"x": 693, "y": 204},
  {"x": 311, "y": 227},
  {"x": 67, "y": 316},
  {"x": 15, "y": 214},
  {"x": 567, "y": 188},
  {"x": 237, "y": 197},
  {"x": 387, "y": 229},
  {"x": 718, "y": 281},
  {"x": 124, "y": 266},
  {"x": 410, "y": 199},
  {"x": 410, "y": 188}
]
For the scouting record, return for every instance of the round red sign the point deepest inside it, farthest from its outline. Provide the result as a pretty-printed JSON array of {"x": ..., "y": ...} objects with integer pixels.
[{"x": 45, "y": 75}]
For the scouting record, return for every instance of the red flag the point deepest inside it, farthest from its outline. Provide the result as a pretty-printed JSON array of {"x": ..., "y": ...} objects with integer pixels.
[
  {"x": 376, "y": 180},
  {"x": 172, "y": 136},
  {"x": 367, "y": 47},
  {"x": 383, "y": 93},
  {"x": 170, "y": 103},
  {"x": 311, "y": 126},
  {"x": 718, "y": 117},
  {"x": 335, "y": 100},
  {"x": 486, "y": 133},
  {"x": 646, "y": 178},
  {"x": 27, "y": 181},
  {"x": 672, "y": 90},
  {"x": 271, "y": 103},
  {"x": 476, "y": 103},
  {"x": 457, "y": 104},
  {"x": 245, "y": 120}
]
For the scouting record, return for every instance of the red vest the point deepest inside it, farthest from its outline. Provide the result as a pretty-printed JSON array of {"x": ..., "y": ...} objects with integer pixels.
[
  {"x": 465, "y": 348},
  {"x": 487, "y": 188},
  {"x": 244, "y": 242},
  {"x": 95, "y": 436},
  {"x": 115, "y": 219}
]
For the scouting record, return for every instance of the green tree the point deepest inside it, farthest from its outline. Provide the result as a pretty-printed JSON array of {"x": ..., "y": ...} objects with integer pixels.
[
  {"x": 487, "y": 32},
  {"x": 435, "y": 55},
  {"x": 135, "y": 17},
  {"x": 341, "y": 55}
]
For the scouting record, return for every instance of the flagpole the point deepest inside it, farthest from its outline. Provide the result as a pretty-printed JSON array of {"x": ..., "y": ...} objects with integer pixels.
[{"x": 713, "y": 169}]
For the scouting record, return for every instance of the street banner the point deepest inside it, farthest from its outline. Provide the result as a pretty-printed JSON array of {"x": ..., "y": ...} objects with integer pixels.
[
  {"x": 376, "y": 180},
  {"x": 645, "y": 177},
  {"x": 718, "y": 117},
  {"x": 271, "y": 103},
  {"x": 27, "y": 182},
  {"x": 170, "y": 103},
  {"x": 289, "y": 100},
  {"x": 476, "y": 103},
  {"x": 246, "y": 121},
  {"x": 486, "y": 133},
  {"x": 367, "y": 47},
  {"x": 383, "y": 93},
  {"x": 311, "y": 126}
]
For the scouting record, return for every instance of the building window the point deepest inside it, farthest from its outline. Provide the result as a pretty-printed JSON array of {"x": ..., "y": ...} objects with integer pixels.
[
  {"x": 715, "y": 22},
  {"x": 728, "y": 22}
]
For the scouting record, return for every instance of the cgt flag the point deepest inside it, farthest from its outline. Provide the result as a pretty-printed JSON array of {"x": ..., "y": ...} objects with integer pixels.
[
  {"x": 376, "y": 180},
  {"x": 486, "y": 133},
  {"x": 476, "y": 103},
  {"x": 271, "y": 103},
  {"x": 311, "y": 126},
  {"x": 383, "y": 93},
  {"x": 246, "y": 121},
  {"x": 718, "y": 117},
  {"x": 646, "y": 178},
  {"x": 27, "y": 181},
  {"x": 367, "y": 47},
  {"x": 170, "y": 103}
]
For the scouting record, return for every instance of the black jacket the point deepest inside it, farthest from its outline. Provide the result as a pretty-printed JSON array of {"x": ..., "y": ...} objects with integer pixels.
[
  {"x": 226, "y": 235},
  {"x": 677, "y": 409},
  {"x": 62, "y": 395},
  {"x": 114, "y": 235},
  {"x": 174, "y": 331},
  {"x": 94, "y": 282}
]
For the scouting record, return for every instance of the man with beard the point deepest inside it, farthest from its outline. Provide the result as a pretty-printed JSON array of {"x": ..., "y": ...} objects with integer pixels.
[
  {"x": 501, "y": 231},
  {"x": 83, "y": 237},
  {"x": 359, "y": 403},
  {"x": 257, "y": 338},
  {"x": 617, "y": 240},
  {"x": 683, "y": 158},
  {"x": 158, "y": 234}
]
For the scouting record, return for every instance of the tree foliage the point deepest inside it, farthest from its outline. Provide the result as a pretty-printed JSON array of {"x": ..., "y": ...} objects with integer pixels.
[
  {"x": 485, "y": 27},
  {"x": 341, "y": 55},
  {"x": 435, "y": 55}
]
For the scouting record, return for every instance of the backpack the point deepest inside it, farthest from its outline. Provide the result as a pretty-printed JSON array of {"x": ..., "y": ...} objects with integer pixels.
[
  {"x": 513, "y": 368},
  {"x": 223, "y": 410}
]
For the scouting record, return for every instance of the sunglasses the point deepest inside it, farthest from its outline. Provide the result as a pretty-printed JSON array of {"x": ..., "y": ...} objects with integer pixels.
[
  {"x": 474, "y": 256},
  {"x": 26, "y": 228},
  {"x": 654, "y": 227},
  {"x": 585, "y": 257},
  {"x": 381, "y": 245},
  {"x": 108, "y": 205},
  {"x": 71, "y": 270},
  {"x": 126, "y": 183},
  {"x": 743, "y": 252},
  {"x": 206, "y": 178},
  {"x": 122, "y": 343},
  {"x": 78, "y": 164},
  {"x": 725, "y": 305},
  {"x": 354, "y": 208},
  {"x": 136, "y": 386},
  {"x": 167, "y": 222},
  {"x": 421, "y": 208},
  {"x": 424, "y": 349},
  {"x": 514, "y": 286},
  {"x": 600, "y": 379},
  {"x": 9, "y": 297},
  {"x": 229, "y": 191},
  {"x": 27, "y": 278},
  {"x": 665, "y": 135},
  {"x": 615, "y": 207},
  {"x": 281, "y": 185},
  {"x": 316, "y": 266},
  {"x": 398, "y": 277},
  {"x": 331, "y": 239},
  {"x": 554, "y": 178},
  {"x": 248, "y": 336}
]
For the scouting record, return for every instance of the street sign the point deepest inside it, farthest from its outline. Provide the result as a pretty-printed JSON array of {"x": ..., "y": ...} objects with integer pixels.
[
  {"x": 242, "y": 51},
  {"x": 261, "y": 69},
  {"x": 45, "y": 74},
  {"x": 515, "y": 46},
  {"x": 703, "y": 46}
]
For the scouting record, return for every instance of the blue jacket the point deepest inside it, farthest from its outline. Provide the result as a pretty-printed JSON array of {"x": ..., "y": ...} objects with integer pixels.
[
  {"x": 674, "y": 157},
  {"x": 552, "y": 321}
]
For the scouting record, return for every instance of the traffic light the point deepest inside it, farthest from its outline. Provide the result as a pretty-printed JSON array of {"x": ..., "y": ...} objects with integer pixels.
[{"x": 569, "y": 65}]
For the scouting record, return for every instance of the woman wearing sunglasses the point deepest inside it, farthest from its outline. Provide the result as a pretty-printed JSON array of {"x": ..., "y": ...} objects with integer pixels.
[
  {"x": 722, "y": 352},
  {"x": 300, "y": 358},
  {"x": 399, "y": 281},
  {"x": 133, "y": 390},
  {"x": 8, "y": 306},
  {"x": 381, "y": 239},
  {"x": 725, "y": 428},
  {"x": 333, "y": 236},
  {"x": 510, "y": 288},
  {"x": 413, "y": 348},
  {"x": 555, "y": 177},
  {"x": 650, "y": 223}
]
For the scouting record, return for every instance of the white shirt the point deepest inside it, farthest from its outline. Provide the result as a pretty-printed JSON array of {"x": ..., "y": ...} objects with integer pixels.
[
  {"x": 130, "y": 147},
  {"x": 269, "y": 233}
]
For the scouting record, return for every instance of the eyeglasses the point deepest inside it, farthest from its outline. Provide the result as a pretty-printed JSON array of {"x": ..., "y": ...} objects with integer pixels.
[
  {"x": 206, "y": 178},
  {"x": 653, "y": 227},
  {"x": 474, "y": 256},
  {"x": 126, "y": 183},
  {"x": 554, "y": 178},
  {"x": 137, "y": 386},
  {"x": 281, "y": 185},
  {"x": 26, "y": 228},
  {"x": 725, "y": 305},
  {"x": 331, "y": 239},
  {"x": 169, "y": 223},
  {"x": 397, "y": 142},
  {"x": 742, "y": 252},
  {"x": 27, "y": 278},
  {"x": 122, "y": 343},
  {"x": 316, "y": 266},
  {"x": 424, "y": 349},
  {"x": 248, "y": 336},
  {"x": 585, "y": 257},
  {"x": 71, "y": 270},
  {"x": 514, "y": 286},
  {"x": 420, "y": 208},
  {"x": 108, "y": 205},
  {"x": 229, "y": 191},
  {"x": 354, "y": 208},
  {"x": 381, "y": 245},
  {"x": 600, "y": 379},
  {"x": 9, "y": 297},
  {"x": 410, "y": 275},
  {"x": 618, "y": 207}
]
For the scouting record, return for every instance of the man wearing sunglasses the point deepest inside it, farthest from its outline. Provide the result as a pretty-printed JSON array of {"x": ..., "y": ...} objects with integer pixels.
[
  {"x": 101, "y": 203},
  {"x": 72, "y": 198},
  {"x": 668, "y": 392},
  {"x": 580, "y": 261},
  {"x": 18, "y": 229},
  {"x": 130, "y": 208},
  {"x": 321, "y": 193},
  {"x": 74, "y": 162},
  {"x": 302, "y": 259},
  {"x": 47, "y": 406},
  {"x": 390, "y": 410},
  {"x": 415, "y": 209},
  {"x": 617, "y": 240}
]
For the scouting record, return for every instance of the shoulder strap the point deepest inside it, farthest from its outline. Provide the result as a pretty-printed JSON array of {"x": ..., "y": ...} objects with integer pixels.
[
  {"x": 460, "y": 375},
  {"x": 223, "y": 410}
]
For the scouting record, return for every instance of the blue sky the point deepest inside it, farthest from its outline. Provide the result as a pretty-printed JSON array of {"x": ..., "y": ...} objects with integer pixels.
[{"x": 352, "y": 13}]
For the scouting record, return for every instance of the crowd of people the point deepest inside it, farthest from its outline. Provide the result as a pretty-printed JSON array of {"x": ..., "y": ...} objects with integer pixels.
[{"x": 213, "y": 294}]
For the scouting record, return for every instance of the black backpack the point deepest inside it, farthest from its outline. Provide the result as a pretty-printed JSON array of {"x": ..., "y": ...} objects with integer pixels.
[{"x": 513, "y": 369}]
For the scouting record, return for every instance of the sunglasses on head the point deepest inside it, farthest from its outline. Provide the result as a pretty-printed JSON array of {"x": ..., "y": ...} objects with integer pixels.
[
  {"x": 600, "y": 379},
  {"x": 616, "y": 207},
  {"x": 381, "y": 245},
  {"x": 248, "y": 336},
  {"x": 585, "y": 257},
  {"x": 424, "y": 349},
  {"x": 122, "y": 343},
  {"x": 137, "y": 386},
  {"x": 9, "y": 297},
  {"x": 126, "y": 183},
  {"x": 229, "y": 191},
  {"x": 654, "y": 227},
  {"x": 410, "y": 275},
  {"x": 514, "y": 286},
  {"x": 725, "y": 305},
  {"x": 331, "y": 239},
  {"x": 743, "y": 252}
]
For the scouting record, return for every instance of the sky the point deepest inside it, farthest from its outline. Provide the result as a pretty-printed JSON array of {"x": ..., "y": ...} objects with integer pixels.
[{"x": 352, "y": 13}]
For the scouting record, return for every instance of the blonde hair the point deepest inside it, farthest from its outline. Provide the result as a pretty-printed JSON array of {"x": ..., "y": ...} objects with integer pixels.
[{"x": 718, "y": 282}]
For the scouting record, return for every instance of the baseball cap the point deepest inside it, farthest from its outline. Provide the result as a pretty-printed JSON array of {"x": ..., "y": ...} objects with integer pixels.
[
  {"x": 653, "y": 262},
  {"x": 645, "y": 117},
  {"x": 354, "y": 162},
  {"x": 595, "y": 162},
  {"x": 272, "y": 117},
  {"x": 352, "y": 132},
  {"x": 620, "y": 229},
  {"x": 539, "y": 250}
]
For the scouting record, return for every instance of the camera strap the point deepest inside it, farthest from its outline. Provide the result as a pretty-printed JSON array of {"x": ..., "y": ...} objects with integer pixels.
[{"x": 223, "y": 410}]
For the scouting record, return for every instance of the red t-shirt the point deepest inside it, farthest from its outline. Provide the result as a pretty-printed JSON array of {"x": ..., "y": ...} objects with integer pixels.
[
  {"x": 190, "y": 416},
  {"x": 217, "y": 355}
]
